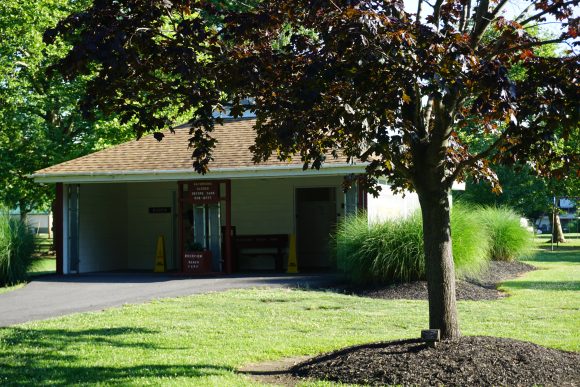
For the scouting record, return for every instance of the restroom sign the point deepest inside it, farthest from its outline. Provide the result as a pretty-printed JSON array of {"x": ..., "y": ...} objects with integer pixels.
[{"x": 204, "y": 192}]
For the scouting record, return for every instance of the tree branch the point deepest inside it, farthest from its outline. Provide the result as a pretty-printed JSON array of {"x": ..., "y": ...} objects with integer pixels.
[
  {"x": 531, "y": 44},
  {"x": 484, "y": 19},
  {"x": 471, "y": 161},
  {"x": 419, "y": 4},
  {"x": 547, "y": 10},
  {"x": 465, "y": 15},
  {"x": 437, "y": 13}
]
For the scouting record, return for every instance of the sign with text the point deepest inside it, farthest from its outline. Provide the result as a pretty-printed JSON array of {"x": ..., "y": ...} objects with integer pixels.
[
  {"x": 203, "y": 192},
  {"x": 197, "y": 262},
  {"x": 160, "y": 210}
]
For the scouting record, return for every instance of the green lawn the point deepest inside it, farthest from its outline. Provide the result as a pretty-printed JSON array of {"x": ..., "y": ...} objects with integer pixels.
[
  {"x": 201, "y": 340},
  {"x": 43, "y": 266}
]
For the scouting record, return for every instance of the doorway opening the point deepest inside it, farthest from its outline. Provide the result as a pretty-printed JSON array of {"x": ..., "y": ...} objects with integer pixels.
[{"x": 316, "y": 217}]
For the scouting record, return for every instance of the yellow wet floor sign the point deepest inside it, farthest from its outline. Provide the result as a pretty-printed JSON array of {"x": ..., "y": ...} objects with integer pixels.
[
  {"x": 292, "y": 261},
  {"x": 160, "y": 255}
]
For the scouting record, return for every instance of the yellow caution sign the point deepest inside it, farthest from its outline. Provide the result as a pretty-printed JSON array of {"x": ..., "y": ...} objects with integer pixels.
[
  {"x": 292, "y": 261},
  {"x": 160, "y": 255}
]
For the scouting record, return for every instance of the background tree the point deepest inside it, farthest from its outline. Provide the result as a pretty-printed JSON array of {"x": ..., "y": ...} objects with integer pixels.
[
  {"x": 522, "y": 189},
  {"x": 368, "y": 79},
  {"x": 40, "y": 123}
]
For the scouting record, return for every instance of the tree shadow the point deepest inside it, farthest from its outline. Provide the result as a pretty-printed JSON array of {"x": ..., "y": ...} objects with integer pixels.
[
  {"x": 562, "y": 254},
  {"x": 63, "y": 338},
  {"x": 27, "y": 374},
  {"x": 57, "y": 356},
  {"x": 544, "y": 285}
]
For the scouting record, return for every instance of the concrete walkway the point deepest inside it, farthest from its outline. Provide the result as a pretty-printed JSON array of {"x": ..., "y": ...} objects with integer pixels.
[{"x": 53, "y": 296}]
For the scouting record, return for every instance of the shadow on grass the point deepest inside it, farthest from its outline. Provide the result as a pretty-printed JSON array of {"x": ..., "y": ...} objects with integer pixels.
[
  {"x": 568, "y": 254},
  {"x": 543, "y": 285},
  {"x": 59, "y": 356},
  {"x": 63, "y": 339},
  {"x": 57, "y": 374}
]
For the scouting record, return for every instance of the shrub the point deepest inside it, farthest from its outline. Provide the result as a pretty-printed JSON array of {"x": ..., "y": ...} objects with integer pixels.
[
  {"x": 380, "y": 252},
  {"x": 392, "y": 251},
  {"x": 16, "y": 248},
  {"x": 509, "y": 240},
  {"x": 471, "y": 242}
]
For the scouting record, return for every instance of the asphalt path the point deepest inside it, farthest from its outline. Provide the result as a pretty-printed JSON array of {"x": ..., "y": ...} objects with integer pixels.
[{"x": 53, "y": 296}]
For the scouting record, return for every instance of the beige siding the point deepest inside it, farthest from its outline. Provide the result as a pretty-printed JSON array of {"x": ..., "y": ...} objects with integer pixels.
[
  {"x": 103, "y": 227},
  {"x": 267, "y": 206},
  {"x": 144, "y": 228}
]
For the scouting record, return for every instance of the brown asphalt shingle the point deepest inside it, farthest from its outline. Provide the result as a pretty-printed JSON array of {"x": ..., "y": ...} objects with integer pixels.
[{"x": 172, "y": 153}]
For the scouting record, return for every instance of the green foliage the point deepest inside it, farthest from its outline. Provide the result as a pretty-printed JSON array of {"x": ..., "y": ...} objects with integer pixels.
[
  {"x": 522, "y": 190},
  {"x": 509, "y": 240},
  {"x": 16, "y": 248},
  {"x": 40, "y": 123},
  {"x": 392, "y": 251}
]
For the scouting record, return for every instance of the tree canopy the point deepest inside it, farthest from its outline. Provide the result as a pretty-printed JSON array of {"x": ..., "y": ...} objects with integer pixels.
[
  {"x": 397, "y": 90},
  {"x": 40, "y": 124}
]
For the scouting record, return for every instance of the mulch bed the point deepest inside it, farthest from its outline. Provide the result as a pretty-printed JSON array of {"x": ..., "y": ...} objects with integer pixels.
[
  {"x": 469, "y": 361},
  {"x": 483, "y": 288}
]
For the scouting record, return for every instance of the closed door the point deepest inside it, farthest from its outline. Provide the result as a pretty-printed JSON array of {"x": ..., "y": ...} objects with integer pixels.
[{"x": 315, "y": 221}]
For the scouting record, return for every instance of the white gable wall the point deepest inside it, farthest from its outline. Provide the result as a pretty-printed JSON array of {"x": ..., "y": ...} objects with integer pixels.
[{"x": 389, "y": 205}]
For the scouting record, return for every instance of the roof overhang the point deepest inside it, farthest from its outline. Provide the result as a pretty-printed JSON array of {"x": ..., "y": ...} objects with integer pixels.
[{"x": 256, "y": 172}]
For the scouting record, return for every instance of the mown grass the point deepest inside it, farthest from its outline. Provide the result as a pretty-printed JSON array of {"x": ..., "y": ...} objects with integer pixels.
[
  {"x": 201, "y": 340},
  {"x": 41, "y": 266}
]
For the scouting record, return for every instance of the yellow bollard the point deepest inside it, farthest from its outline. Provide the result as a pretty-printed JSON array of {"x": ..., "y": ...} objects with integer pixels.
[
  {"x": 292, "y": 261},
  {"x": 160, "y": 255}
]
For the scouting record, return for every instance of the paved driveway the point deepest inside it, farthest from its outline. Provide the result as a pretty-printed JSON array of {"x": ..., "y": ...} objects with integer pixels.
[{"x": 53, "y": 296}]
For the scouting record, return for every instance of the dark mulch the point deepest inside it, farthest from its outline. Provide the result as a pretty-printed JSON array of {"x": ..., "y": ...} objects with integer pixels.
[
  {"x": 482, "y": 288},
  {"x": 469, "y": 361}
]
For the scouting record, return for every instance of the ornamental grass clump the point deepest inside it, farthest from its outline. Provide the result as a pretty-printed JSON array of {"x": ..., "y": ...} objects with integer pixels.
[
  {"x": 381, "y": 252},
  {"x": 392, "y": 250},
  {"x": 471, "y": 242},
  {"x": 16, "y": 249},
  {"x": 509, "y": 240}
]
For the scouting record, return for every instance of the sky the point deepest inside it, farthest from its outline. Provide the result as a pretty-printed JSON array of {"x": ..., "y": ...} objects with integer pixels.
[{"x": 512, "y": 9}]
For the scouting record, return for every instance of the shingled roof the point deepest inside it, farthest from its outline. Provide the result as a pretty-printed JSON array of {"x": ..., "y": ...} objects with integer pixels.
[{"x": 173, "y": 156}]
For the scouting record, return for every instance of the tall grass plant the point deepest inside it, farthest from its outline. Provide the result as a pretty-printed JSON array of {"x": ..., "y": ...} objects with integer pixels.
[
  {"x": 16, "y": 249},
  {"x": 509, "y": 239},
  {"x": 392, "y": 250}
]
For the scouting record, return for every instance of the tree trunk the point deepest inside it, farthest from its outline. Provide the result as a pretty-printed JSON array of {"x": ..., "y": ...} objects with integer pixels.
[
  {"x": 23, "y": 211},
  {"x": 557, "y": 232},
  {"x": 439, "y": 264}
]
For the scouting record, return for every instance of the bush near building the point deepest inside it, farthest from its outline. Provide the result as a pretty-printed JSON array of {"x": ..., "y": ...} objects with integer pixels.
[
  {"x": 16, "y": 249},
  {"x": 392, "y": 250}
]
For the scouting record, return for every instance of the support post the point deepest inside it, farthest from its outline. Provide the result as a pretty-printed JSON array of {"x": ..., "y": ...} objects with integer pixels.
[
  {"x": 58, "y": 222},
  {"x": 228, "y": 236},
  {"x": 180, "y": 224},
  {"x": 361, "y": 196}
]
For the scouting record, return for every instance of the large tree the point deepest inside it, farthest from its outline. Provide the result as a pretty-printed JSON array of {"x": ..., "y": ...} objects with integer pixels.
[
  {"x": 40, "y": 124},
  {"x": 395, "y": 89}
]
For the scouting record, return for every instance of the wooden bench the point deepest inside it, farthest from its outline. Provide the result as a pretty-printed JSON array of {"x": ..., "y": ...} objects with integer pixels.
[{"x": 273, "y": 245}]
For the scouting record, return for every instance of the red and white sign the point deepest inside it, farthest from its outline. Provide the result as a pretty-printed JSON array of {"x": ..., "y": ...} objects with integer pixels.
[{"x": 203, "y": 192}]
